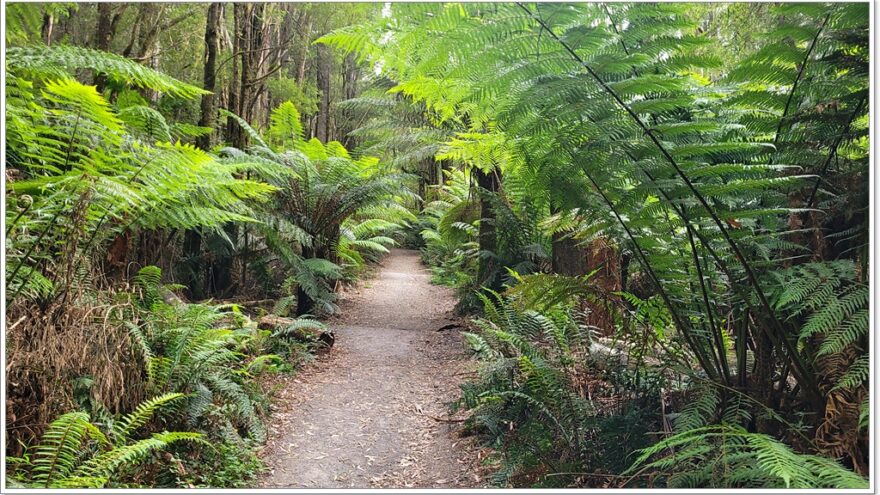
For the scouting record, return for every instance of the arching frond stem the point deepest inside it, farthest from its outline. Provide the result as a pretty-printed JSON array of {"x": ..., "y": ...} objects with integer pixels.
[
  {"x": 679, "y": 321},
  {"x": 801, "y": 371}
]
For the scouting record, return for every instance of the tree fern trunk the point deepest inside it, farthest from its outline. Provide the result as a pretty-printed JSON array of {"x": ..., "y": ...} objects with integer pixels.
[
  {"x": 568, "y": 257},
  {"x": 221, "y": 267},
  {"x": 762, "y": 378}
]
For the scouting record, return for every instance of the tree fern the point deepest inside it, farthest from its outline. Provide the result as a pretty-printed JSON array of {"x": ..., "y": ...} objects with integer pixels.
[
  {"x": 70, "y": 148},
  {"x": 706, "y": 181},
  {"x": 326, "y": 191}
]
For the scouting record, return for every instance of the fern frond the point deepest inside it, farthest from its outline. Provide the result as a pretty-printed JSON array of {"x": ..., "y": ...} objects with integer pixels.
[
  {"x": 59, "y": 61},
  {"x": 142, "y": 413}
]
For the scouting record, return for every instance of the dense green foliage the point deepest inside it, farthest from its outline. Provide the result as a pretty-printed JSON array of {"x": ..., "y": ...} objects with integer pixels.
[
  {"x": 100, "y": 183},
  {"x": 722, "y": 199}
]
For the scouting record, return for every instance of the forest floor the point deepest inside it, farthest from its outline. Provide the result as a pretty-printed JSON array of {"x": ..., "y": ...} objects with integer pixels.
[{"x": 373, "y": 412}]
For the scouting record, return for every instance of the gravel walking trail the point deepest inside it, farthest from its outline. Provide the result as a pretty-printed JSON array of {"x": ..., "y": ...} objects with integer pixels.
[{"x": 373, "y": 411}]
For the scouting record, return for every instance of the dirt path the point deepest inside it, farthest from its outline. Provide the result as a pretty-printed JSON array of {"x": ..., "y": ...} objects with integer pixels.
[{"x": 362, "y": 415}]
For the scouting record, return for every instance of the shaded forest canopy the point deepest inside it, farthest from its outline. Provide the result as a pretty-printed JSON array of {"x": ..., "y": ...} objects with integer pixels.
[{"x": 655, "y": 215}]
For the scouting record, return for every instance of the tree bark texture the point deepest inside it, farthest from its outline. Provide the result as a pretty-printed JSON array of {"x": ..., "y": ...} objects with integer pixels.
[
  {"x": 212, "y": 47},
  {"x": 322, "y": 132},
  {"x": 105, "y": 31}
]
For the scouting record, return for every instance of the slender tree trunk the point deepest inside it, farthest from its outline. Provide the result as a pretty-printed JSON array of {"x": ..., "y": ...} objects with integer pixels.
[
  {"x": 135, "y": 36},
  {"x": 442, "y": 167},
  {"x": 323, "y": 80},
  {"x": 212, "y": 47},
  {"x": 46, "y": 30},
  {"x": 105, "y": 31},
  {"x": 244, "y": 92},
  {"x": 253, "y": 65},
  {"x": 350, "y": 75},
  {"x": 489, "y": 183},
  {"x": 244, "y": 76},
  {"x": 305, "y": 28},
  {"x": 192, "y": 244},
  {"x": 152, "y": 15},
  {"x": 233, "y": 130},
  {"x": 256, "y": 56},
  {"x": 222, "y": 266}
]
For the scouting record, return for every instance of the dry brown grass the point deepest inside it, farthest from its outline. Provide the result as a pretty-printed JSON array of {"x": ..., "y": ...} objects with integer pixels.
[{"x": 48, "y": 349}]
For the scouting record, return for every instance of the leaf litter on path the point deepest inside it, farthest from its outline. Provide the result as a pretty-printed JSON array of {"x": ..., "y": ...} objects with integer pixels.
[{"x": 373, "y": 413}]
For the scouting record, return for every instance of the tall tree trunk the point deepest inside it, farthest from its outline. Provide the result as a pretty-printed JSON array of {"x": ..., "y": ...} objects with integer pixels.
[
  {"x": 222, "y": 266},
  {"x": 46, "y": 30},
  {"x": 304, "y": 25},
  {"x": 323, "y": 80},
  {"x": 103, "y": 27},
  {"x": 151, "y": 15},
  {"x": 247, "y": 79},
  {"x": 243, "y": 95},
  {"x": 350, "y": 75},
  {"x": 489, "y": 183},
  {"x": 212, "y": 47},
  {"x": 105, "y": 31},
  {"x": 253, "y": 63},
  {"x": 244, "y": 76},
  {"x": 192, "y": 244},
  {"x": 233, "y": 130}
]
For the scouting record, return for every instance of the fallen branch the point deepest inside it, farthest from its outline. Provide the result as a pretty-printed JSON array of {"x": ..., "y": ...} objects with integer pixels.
[
  {"x": 449, "y": 327},
  {"x": 419, "y": 410},
  {"x": 258, "y": 302},
  {"x": 278, "y": 323},
  {"x": 445, "y": 420}
]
